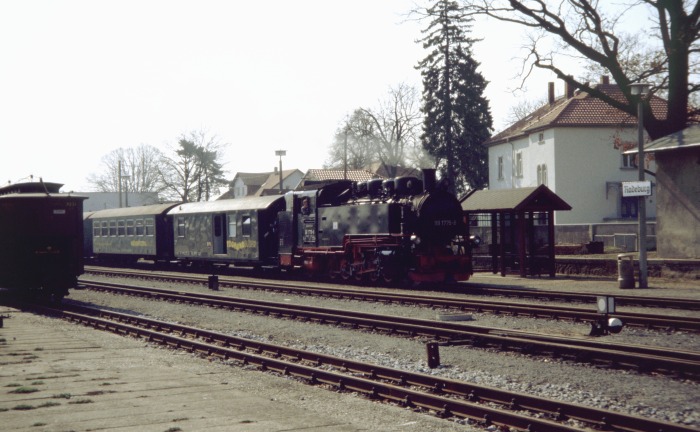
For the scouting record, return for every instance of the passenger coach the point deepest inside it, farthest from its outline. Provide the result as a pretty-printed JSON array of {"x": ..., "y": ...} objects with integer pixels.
[
  {"x": 241, "y": 231},
  {"x": 128, "y": 234}
]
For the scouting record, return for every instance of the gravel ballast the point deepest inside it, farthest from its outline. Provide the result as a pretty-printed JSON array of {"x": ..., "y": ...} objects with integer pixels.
[{"x": 659, "y": 397}]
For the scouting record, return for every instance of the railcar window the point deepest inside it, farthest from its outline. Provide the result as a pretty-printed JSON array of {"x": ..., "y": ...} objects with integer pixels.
[
  {"x": 121, "y": 230},
  {"x": 130, "y": 227},
  {"x": 139, "y": 227},
  {"x": 232, "y": 226},
  {"x": 180, "y": 227},
  {"x": 245, "y": 226},
  {"x": 150, "y": 230},
  {"x": 96, "y": 229},
  {"x": 105, "y": 229},
  {"x": 112, "y": 228}
]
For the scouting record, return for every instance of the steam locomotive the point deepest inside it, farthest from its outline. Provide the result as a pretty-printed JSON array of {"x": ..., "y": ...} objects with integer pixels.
[
  {"x": 41, "y": 240},
  {"x": 381, "y": 231}
]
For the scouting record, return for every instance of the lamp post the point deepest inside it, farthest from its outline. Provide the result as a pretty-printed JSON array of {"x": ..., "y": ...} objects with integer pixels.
[
  {"x": 121, "y": 177},
  {"x": 126, "y": 190},
  {"x": 640, "y": 90},
  {"x": 281, "y": 153}
]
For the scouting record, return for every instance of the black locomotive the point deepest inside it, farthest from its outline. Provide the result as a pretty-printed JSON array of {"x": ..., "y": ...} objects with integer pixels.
[
  {"x": 381, "y": 230},
  {"x": 41, "y": 240}
]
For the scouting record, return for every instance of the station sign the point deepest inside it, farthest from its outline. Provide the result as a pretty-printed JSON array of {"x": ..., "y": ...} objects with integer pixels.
[{"x": 637, "y": 188}]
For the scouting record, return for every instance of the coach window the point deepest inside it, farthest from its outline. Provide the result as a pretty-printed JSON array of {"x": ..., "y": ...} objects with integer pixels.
[
  {"x": 96, "y": 229},
  {"x": 112, "y": 228},
  {"x": 105, "y": 229},
  {"x": 150, "y": 231},
  {"x": 181, "y": 227},
  {"x": 121, "y": 230},
  {"x": 232, "y": 226},
  {"x": 130, "y": 227},
  {"x": 139, "y": 227},
  {"x": 245, "y": 226}
]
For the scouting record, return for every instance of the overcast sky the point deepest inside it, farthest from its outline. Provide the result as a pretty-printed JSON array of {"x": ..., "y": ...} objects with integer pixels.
[{"x": 81, "y": 78}]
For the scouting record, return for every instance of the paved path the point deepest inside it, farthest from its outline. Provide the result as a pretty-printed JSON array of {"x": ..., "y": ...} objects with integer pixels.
[{"x": 56, "y": 376}]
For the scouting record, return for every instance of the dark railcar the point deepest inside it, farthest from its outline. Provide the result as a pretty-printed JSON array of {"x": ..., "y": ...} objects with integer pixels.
[
  {"x": 41, "y": 239},
  {"x": 131, "y": 233},
  {"x": 241, "y": 231}
]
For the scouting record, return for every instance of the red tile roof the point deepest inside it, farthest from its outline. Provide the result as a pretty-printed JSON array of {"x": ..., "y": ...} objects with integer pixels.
[
  {"x": 581, "y": 110},
  {"x": 333, "y": 174}
]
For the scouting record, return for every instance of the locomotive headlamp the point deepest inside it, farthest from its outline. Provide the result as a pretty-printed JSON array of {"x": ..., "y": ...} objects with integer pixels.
[{"x": 415, "y": 239}]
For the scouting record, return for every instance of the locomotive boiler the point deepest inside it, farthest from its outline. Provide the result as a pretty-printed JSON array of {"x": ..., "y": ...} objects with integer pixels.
[{"x": 381, "y": 230}]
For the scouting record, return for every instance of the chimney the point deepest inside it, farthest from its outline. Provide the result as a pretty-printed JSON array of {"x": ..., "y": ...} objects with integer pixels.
[
  {"x": 569, "y": 90},
  {"x": 604, "y": 79},
  {"x": 550, "y": 93},
  {"x": 428, "y": 179}
]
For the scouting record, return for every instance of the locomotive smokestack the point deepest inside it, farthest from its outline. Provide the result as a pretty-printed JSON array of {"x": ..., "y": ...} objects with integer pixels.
[{"x": 428, "y": 179}]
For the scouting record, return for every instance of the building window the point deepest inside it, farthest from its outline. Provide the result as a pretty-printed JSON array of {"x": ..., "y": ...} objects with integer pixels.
[
  {"x": 628, "y": 207},
  {"x": 628, "y": 161},
  {"x": 542, "y": 174},
  {"x": 500, "y": 167},
  {"x": 541, "y": 138},
  {"x": 519, "y": 164}
]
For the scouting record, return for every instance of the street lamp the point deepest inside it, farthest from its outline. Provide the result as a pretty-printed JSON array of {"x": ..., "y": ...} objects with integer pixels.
[
  {"x": 281, "y": 153},
  {"x": 641, "y": 90},
  {"x": 126, "y": 190}
]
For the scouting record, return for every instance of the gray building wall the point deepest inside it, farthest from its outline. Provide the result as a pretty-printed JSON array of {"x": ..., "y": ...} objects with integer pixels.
[
  {"x": 105, "y": 200},
  {"x": 678, "y": 214}
]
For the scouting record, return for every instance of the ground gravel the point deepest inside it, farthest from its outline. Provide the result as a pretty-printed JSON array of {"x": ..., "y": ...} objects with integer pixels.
[{"x": 658, "y": 397}]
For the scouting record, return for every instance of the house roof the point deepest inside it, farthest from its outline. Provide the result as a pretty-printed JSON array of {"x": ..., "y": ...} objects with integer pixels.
[
  {"x": 580, "y": 110},
  {"x": 686, "y": 138},
  {"x": 539, "y": 198},
  {"x": 259, "y": 183},
  {"x": 252, "y": 179},
  {"x": 335, "y": 174}
]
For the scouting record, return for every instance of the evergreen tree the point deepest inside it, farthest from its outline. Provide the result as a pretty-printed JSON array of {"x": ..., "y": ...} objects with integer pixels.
[{"x": 457, "y": 116}]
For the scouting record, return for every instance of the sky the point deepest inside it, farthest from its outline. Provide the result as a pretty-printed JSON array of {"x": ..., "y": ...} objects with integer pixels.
[{"x": 82, "y": 78}]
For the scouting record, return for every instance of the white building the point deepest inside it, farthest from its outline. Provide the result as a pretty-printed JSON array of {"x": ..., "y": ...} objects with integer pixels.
[{"x": 574, "y": 145}]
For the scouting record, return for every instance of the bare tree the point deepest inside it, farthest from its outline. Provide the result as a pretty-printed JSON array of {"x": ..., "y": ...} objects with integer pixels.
[
  {"x": 387, "y": 135},
  {"x": 523, "y": 108},
  {"x": 193, "y": 172},
  {"x": 582, "y": 29},
  {"x": 139, "y": 171},
  {"x": 354, "y": 143}
]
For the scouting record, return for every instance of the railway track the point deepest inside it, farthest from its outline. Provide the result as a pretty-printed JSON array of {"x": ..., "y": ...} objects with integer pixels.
[
  {"x": 650, "y": 321},
  {"x": 640, "y": 358},
  {"x": 445, "y": 398}
]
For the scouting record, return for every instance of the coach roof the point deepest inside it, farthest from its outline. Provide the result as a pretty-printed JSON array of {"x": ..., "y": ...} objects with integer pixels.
[
  {"x": 236, "y": 204},
  {"x": 147, "y": 210}
]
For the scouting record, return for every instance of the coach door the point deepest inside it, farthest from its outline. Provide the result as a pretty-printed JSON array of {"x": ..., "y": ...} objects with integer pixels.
[{"x": 219, "y": 233}]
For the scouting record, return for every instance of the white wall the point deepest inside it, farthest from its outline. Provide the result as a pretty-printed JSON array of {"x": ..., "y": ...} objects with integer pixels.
[{"x": 580, "y": 163}]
